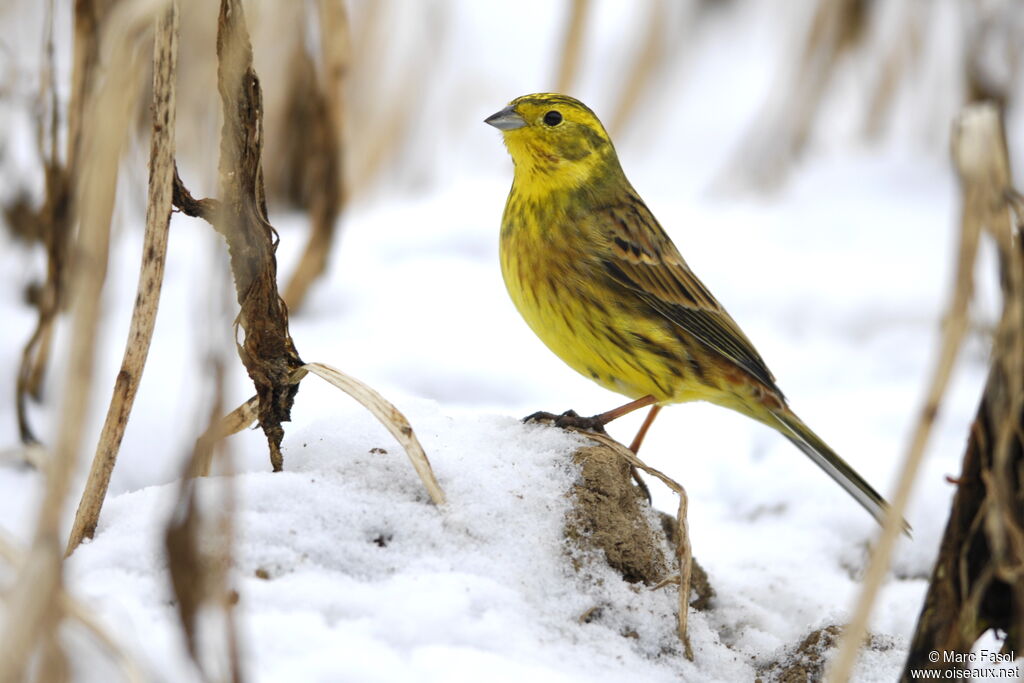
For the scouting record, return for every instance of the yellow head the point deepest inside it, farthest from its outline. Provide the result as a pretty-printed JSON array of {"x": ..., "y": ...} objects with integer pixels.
[{"x": 555, "y": 141}]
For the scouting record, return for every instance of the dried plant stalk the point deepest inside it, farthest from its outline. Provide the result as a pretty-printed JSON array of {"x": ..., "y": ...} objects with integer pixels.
[
  {"x": 88, "y": 19},
  {"x": 75, "y": 610},
  {"x": 200, "y": 578},
  {"x": 290, "y": 168},
  {"x": 975, "y": 186},
  {"x": 33, "y": 598},
  {"x": 978, "y": 579},
  {"x": 52, "y": 224},
  {"x": 322, "y": 152},
  {"x": 240, "y": 216},
  {"x": 572, "y": 44},
  {"x": 383, "y": 93},
  {"x": 336, "y": 55},
  {"x": 55, "y": 219},
  {"x": 185, "y": 562},
  {"x": 781, "y": 132},
  {"x": 232, "y": 423},
  {"x": 684, "y": 550},
  {"x": 267, "y": 350},
  {"x": 151, "y": 274},
  {"x": 649, "y": 56},
  {"x": 900, "y": 55}
]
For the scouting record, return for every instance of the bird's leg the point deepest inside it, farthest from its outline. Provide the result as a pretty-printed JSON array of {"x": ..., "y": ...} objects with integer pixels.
[
  {"x": 594, "y": 423},
  {"x": 639, "y": 438},
  {"x": 635, "y": 447},
  {"x": 616, "y": 413}
]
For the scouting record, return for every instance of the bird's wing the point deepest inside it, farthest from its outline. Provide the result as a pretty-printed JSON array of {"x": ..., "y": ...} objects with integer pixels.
[{"x": 637, "y": 254}]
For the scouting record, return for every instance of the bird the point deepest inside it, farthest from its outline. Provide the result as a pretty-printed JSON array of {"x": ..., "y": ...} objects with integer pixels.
[{"x": 597, "y": 278}]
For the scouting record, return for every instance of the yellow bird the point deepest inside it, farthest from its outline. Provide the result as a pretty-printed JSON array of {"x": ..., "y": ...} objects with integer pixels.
[{"x": 598, "y": 280}]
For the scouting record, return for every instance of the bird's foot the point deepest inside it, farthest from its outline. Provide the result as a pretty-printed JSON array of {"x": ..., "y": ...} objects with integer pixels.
[{"x": 570, "y": 419}]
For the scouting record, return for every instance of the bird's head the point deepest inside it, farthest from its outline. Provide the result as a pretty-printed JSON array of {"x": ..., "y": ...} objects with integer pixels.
[{"x": 555, "y": 140}]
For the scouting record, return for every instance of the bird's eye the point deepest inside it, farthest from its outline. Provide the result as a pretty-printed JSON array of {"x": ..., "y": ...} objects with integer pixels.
[{"x": 552, "y": 118}]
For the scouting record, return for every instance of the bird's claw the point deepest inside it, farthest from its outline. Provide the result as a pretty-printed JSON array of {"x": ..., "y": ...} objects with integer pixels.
[
  {"x": 570, "y": 419},
  {"x": 543, "y": 416}
]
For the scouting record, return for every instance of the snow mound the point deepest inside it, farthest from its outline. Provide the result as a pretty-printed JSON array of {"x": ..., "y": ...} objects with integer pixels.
[{"x": 346, "y": 572}]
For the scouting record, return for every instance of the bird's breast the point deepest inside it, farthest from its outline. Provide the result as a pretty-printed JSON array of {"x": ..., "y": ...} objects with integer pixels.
[{"x": 553, "y": 281}]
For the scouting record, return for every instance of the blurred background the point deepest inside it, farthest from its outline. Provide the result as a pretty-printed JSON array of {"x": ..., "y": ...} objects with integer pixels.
[{"x": 795, "y": 151}]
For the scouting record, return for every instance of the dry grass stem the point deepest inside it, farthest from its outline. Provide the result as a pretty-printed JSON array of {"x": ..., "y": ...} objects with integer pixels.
[
  {"x": 890, "y": 43},
  {"x": 51, "y": 223},
  {"x": 993, "y": 52},
  {"x": 321, "y": 155},
  {"x": 781, "y": 132},
  {"x": 151, "y": 274},
  {"x": 572, "y": 45},
  {"x": 238, "y": 419},
  {"x": 684, "y": 550},
  {"x": 976, "y": 153},
  {"x": 73, "y": 609},
  {"x": 978, "y": 580},
  {"x": 336, "y": 55},
  {"x": 388, "y": 415},
  {"x": 899, "y": 55},
  {"x": 32, "y": 605},
  {"x": 391, "y": 72},
  {"x": 200, "y": 577},
  {"x": 89, "y": 18},
  {"x": 650, "y": 54}
]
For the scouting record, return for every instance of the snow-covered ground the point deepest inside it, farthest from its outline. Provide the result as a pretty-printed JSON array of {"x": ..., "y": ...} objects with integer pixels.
[{"x": 346, "y": 573}]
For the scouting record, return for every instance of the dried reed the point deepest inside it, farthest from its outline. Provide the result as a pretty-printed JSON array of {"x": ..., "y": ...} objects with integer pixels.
[
  {"x": 572, "y": 45},
  {"x": 322, "y": 155},
  {"x": 151, "y": 274},
  {"x": 980, "y": 156},
  {"x": 200, "y": 577},
  {"x": 32, "y": 608},
  {"x": 978, "y": 580}
]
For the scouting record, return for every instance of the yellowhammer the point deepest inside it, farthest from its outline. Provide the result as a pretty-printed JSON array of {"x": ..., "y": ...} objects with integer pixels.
[{"x": 599, "y": 281}]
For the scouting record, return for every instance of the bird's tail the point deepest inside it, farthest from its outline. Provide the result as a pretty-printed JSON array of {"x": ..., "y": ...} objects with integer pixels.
[{"x": 793, "y": 428}]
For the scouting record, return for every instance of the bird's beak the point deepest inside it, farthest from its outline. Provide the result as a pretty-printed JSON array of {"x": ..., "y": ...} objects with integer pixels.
[{"x": 506, "y": 119}]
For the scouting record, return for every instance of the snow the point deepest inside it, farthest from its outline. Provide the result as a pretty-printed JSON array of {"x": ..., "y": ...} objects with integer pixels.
[
  {"x": 839, "y": 279},
  {"x": 346, "y": 572}
]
